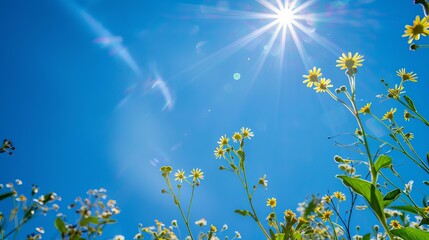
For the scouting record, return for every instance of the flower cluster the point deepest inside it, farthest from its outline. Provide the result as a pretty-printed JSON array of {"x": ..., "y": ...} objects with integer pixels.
[
  {"x": 93, "y": 213},
  {"x": 26, "y": 207}
]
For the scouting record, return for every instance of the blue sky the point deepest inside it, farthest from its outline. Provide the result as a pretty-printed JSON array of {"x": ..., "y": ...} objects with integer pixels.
[{"x": 101, "y": 93}]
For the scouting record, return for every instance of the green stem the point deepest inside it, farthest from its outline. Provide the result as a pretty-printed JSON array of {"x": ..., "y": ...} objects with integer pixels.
[
  {"x": 249, "y": 197},
  {"x": 415, "y": 112},
  {"x": 177, "y": 202}
]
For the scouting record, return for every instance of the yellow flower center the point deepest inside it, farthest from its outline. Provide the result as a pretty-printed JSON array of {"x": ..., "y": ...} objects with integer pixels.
[
  {"x": 313, "y": 78},
  {"x": 350, "y": 63},
  {"x": 418, "y": 29}
]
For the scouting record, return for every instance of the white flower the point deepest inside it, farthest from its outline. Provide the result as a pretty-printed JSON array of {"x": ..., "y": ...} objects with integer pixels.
[
  {"x": 201, "y": 222},
  {"x": 18, "y": 182},
  {"x": 224, "y": 228},
  {"x": 237, "y": 235},
  {"x": 119, "y": 237},
  {"x": 138, "y": 236},
  {"x": 408, "y": 187},
  {"x": 40, "y": 230}
]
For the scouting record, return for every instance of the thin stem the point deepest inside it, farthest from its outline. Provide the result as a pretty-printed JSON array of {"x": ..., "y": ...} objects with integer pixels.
[
  {"x": 177, "y": 202},
  {"x": 415, "y": 112}
]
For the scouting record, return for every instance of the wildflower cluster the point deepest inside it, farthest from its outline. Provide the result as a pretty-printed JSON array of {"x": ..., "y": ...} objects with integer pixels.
[
  {"x": 93, "y": 213},
  {"x": 25, "y": 208},
  {"x": 378, "y": 198}
]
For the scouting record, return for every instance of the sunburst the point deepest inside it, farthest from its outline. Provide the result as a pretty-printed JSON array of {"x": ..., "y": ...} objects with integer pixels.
[{"x": 283, "y": 19}]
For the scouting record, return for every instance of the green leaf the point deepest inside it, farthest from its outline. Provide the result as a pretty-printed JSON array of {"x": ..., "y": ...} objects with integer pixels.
[
  {"x": 273, "y": 236},
  {"x": 297, "y": 236},
  {"x": 243, "y": 212},
  {"x": 382, "y": 161},
  {"x": 391, "y": 196},
  {"x": 47, "y": 198},
  {"x": 410, "y": 233},
  {"x": 59, "y": 224},
  {"x": 280, "y": 236},
  {"x": 410, "y": 103},
  {"x": 426, "y": 183},
  {"x": 85, "y": 221},
  {"x": 109, "y": 221},
  {"x": 6, "y": 195},
  {"x": 407, "y": 208},
  {"x": 424, "y": 221},
  {"x": 242, "y": 158},
  {"x": 311, "y": 206},
  {"x": 366, "y": 236},
  {"x": 371, "y": 194}
]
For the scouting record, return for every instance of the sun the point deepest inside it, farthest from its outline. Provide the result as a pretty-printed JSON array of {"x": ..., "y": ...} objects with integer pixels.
[
  {"x": 285, "y": 17},
  {"x": 279, "y": 22}
]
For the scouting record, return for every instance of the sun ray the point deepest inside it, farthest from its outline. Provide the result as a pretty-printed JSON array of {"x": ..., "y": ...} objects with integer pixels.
[
  {"x": 269, "y": 6},
  {"x": 267, "y": 50},
  {"x": 299, "y": 47},
  {"x": 289, "y": 18}
]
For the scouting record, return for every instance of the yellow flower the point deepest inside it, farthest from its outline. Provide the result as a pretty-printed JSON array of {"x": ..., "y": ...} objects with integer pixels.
[
  {"x": 326, "y": 215},
  {"x": 395, "y": 224},
  {"x": 389, "y": 114},
  {"x": 213, "y": 228},
  {"x": 289, "y": 214},
  {"x": 302, "y": 220},
  {"x": 223, "y": 141},
  {"x": 197, "y": 174},
  {"x": 407, "y": 115},
  {"x": 426, "y": 209},
  {"x": 246, "y": 132},
  {"x": 326, "y": 199},
  {"x": 358, "y": 132},
  {"x": 180, "y": 175},
  {"x": 323, "y": 85},
  {"x": 366, "y": 109},
  {"x": 395, "y": 92},
  {"x": 409, "y": 136},
  {"x": 419, "y": 27},
  {"x": 410, "y": 76},
  {"x": 219, "y": 152},
  {"x": 340, "y": 196},
  {"x": 312, "y": 77},
  {"x": 272, "y": 202},
  {"x": 350, "y": 62},
  {"x": 237, "y": 137}
]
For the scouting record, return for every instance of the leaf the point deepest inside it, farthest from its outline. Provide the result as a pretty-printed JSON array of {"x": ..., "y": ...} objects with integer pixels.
[
  {"x": 311, "y": 206},
  {"x": 410, "y": 103},
  {"x": 272, "y": 235},
  {"x": 280, "y": 236},
  {"x": 371, "y": 194},
  {"x": 407, "y": 208},
  {"x": 366, "y": 236},
  {"x": 391, "y": 196},
  {"x": 6, "y": 195},
  {"x": 243, "y": 212},
  {"x": 109, "y": 221},
  {"x": 297, "y": 236},
  {"x": 86, "y": 221},
  {"x": 242, "y": 158},
  {"x": 410, "y": 233},
  {"x": 426, "y": 183},
  {"x": 383, "y": 161},
  {"x": 47, "y": 198},
  {"x": 59, "y": 224},
  {"x": 424, "y": 221}
]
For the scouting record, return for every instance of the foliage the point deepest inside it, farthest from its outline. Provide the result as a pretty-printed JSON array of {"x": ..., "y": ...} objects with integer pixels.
[{"x": 372, "y": 177}]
